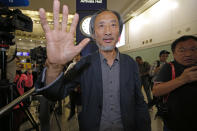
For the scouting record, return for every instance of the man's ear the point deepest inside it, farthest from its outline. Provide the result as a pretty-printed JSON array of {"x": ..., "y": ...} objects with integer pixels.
[{"x": 93, "y": 36}]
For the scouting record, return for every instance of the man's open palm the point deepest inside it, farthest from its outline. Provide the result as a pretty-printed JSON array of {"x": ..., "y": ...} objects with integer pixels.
[{"x": 60, "y": 42}]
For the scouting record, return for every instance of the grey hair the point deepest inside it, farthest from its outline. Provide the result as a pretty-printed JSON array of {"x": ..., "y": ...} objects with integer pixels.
[{"x": 91, "y": 27}]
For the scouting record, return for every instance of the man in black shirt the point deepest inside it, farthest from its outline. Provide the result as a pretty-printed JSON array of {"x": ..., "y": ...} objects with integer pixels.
[{"x": 181, "y": 91}]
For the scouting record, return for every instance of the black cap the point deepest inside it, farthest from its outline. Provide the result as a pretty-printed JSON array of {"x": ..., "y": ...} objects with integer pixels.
[{"x": 164, "y": 52}]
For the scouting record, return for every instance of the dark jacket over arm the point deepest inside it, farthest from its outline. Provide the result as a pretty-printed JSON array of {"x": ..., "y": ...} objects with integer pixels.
[
  {"x": 135, "y": 116},
  {"x": 133, "y": 107}
]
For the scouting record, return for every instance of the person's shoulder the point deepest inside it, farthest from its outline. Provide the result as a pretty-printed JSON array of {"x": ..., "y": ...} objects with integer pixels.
[
  {"x": 89, "y": 56},
  {"x": 156, "y": 61},
  {"x": 167, "y": 65},
  {"x": 165, "y": 68},
  {"x": 146, "y": 63},
  {"x": 128, "y": 60},
  {"x": 126, "y": 57},
  {"x": 173, "y": 62},
  {"x": 88, "y": 59},
  {"x": 164, "y": 74}
]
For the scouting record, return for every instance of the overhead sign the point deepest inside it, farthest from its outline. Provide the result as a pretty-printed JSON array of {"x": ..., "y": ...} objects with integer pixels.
[
  {"x": 15, "y": 3},
  {"x": 90, "y": 5}
]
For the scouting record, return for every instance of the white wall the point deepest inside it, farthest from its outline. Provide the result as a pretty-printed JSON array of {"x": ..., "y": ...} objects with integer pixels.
[{"x": 161, "y": 24}]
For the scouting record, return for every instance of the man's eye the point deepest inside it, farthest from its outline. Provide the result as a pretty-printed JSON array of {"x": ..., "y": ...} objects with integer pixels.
[
  {"x": 181, "y": 50},
  {"x": 193, "y": 49},
  {"x": 113, "y": 24}
]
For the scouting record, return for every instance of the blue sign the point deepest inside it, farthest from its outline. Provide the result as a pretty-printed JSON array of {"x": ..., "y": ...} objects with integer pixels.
[
  {"x": 15, "y": 3},
  {"x": 90, "y": 5}
]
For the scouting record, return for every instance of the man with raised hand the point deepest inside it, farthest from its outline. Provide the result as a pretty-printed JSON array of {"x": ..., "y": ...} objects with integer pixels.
[{"x": 109, "y": 81}]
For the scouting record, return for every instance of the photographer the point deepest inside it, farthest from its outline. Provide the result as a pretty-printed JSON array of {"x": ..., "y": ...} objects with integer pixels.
[
  {"x": 10, "y": 20},
  {"x": 181, "y": 91},
  {"x": 23, "y": 82}
]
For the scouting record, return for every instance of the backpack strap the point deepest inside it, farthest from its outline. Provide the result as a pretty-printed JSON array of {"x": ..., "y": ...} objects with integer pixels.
[
  {"x": 173, "y": 70},
  {"x": 173, "y": 77}
]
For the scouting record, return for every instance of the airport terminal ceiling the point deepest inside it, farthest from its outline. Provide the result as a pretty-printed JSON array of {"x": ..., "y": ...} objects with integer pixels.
[
  {"x": 124, "y": 7},
  {"x": 118, "y": 5}
]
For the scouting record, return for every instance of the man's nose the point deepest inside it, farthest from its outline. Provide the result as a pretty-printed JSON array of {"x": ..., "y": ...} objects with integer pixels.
[
  {"x": 188, "y": 52},
  {"x": 107, "y": 30}
]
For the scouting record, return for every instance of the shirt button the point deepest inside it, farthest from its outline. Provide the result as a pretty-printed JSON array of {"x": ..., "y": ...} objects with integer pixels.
[
  {"x": 111, "y": 96},
  {"x": 111, "y": 109},
  {"x": 110, "y": 81}
]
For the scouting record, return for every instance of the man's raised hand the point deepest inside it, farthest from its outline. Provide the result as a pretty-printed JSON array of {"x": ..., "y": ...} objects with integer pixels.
[
  {"x": 189, "y": 75},
  {"x": 60, "y": 42}
]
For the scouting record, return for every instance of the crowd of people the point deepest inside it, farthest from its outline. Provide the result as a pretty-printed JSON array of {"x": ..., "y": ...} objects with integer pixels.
[
  {"x": 108, "y": 83},
  {"x": 148, "y": 74}
]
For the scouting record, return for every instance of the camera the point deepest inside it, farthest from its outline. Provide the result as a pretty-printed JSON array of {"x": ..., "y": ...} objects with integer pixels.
[
  {"x": 38, "y": 54},
  {"x": 11, "y": 20}
]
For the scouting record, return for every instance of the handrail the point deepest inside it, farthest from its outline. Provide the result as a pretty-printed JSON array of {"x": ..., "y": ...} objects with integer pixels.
[{"x": 16, "y": 101}]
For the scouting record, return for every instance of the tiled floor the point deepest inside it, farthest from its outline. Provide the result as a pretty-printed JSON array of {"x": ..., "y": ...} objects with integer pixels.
[{"x": 72, "y": 125}]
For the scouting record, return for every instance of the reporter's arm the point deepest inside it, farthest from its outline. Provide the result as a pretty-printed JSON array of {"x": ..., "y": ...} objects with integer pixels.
[{"x": 161, "y": 88}]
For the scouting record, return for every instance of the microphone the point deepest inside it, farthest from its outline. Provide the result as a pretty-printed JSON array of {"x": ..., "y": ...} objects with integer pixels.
[{"x": 14, "y": 3}]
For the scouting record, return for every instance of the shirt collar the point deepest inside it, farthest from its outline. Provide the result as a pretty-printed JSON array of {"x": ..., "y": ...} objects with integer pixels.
[
  {"x": 117, "y": 58},
  {"x": 180, "y": 65}
]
